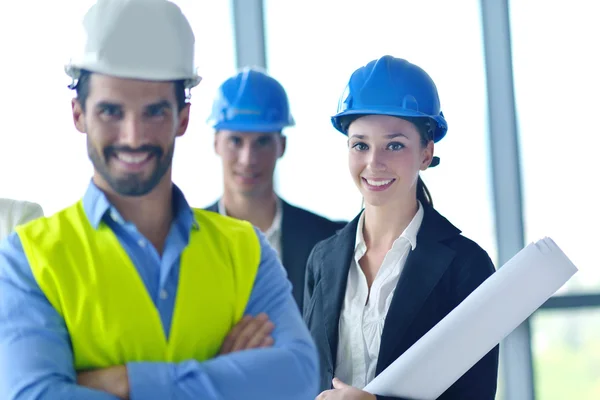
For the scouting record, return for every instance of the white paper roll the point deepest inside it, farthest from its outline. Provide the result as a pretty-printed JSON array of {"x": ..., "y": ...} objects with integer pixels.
[{"x": 480, "y": 322}]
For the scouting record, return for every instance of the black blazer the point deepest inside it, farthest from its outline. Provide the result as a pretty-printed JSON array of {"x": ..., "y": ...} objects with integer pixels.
[
  {"x": 444, "y": 268},
  {"x": 300, "y": 231}
]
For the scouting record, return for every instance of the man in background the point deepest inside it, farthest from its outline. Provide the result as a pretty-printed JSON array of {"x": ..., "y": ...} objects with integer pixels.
[{"x": 249, "y": 113}]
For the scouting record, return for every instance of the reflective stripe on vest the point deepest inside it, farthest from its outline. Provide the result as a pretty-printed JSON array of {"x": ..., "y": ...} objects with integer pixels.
[{"x": 89, "y": 279}]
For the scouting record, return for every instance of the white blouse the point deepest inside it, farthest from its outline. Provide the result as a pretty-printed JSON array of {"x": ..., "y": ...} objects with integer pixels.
[{"x": 362, "y": 316}]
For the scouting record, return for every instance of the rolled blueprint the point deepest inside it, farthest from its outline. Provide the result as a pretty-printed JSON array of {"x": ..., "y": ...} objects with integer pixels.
[{"x": 481, "y": 321}]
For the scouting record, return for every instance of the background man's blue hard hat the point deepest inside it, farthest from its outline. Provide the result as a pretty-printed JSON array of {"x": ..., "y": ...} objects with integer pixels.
[
  {"x": 251, "y": 101},
  {"x": 391, "y": 86}
]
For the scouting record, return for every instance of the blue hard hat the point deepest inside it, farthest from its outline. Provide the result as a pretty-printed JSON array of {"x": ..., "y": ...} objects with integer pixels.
[
  {"x": 391, "y": 86},
  {"x": 251, "y": 101}
]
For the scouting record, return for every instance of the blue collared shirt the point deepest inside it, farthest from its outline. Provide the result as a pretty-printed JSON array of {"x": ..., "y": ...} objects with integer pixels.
[{"x": 36, "y": 358}]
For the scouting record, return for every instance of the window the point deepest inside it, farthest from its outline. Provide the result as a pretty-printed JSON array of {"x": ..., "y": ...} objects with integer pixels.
[
  {"x": 556, "y": 87},
  {"x": 196, "y": 168},
  {"x": 566, "y": 353},
  {"x": 42, "y": 156},
  {"x": 313, "y": 47}
]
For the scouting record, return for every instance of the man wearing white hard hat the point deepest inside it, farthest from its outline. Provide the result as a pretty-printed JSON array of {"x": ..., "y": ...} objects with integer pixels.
[{"x": 130, "y": 293}]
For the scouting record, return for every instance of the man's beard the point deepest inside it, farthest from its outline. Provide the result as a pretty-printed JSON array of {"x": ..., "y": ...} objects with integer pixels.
[{"x": 132, "y": 184}]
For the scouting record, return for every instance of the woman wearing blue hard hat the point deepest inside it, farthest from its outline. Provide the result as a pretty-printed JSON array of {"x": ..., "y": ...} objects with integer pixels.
[{"x": 399, "y": 267}]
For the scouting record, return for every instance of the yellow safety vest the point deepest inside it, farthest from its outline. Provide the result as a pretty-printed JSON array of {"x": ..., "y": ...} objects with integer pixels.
[{"x": 90, "y": 280}]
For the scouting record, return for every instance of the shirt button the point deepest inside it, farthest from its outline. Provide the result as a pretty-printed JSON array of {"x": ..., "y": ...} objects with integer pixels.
[
  {"x": 163, "y": 294},
  {"x": 114, "y": 216},
  {"x": 142, "y": 243}
]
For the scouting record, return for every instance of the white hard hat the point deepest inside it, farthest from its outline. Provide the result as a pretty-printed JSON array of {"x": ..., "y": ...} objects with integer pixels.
[{"x": 137, "y": 39}]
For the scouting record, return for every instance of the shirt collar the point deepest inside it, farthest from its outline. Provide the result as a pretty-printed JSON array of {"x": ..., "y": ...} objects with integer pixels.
[
  {"x": 97, "y": 207},
  {"x": 410, "y": 233},
  {"x": 275, "y": 225}
]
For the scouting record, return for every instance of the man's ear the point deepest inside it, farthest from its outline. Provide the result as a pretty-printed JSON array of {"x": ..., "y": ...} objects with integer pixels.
[
  {"x": 78, "y": 115},
  {"x": 283, "y": 145},
  {"x": 184, "y": 119}
]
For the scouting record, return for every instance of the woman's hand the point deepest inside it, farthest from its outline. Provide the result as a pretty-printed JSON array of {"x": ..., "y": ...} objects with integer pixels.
[{"x": 341, "y": 391}]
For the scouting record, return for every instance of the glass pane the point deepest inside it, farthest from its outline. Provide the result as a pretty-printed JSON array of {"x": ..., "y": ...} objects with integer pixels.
[
  {"x": 45, "y": 155},
  {"x": 566, "y": 351},
  {"x": 314, "y": 46},
  {"x": 196, "y": 167},
  {"x": 557, "y": 86}
]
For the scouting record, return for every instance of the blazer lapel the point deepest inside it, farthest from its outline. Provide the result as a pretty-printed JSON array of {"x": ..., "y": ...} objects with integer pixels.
[
  {"x": 294, "y": 241},
  {"x": 423, "y": 269},
  {"x": 289, "y": 233},
  {"x": 335, "y": 267}
]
